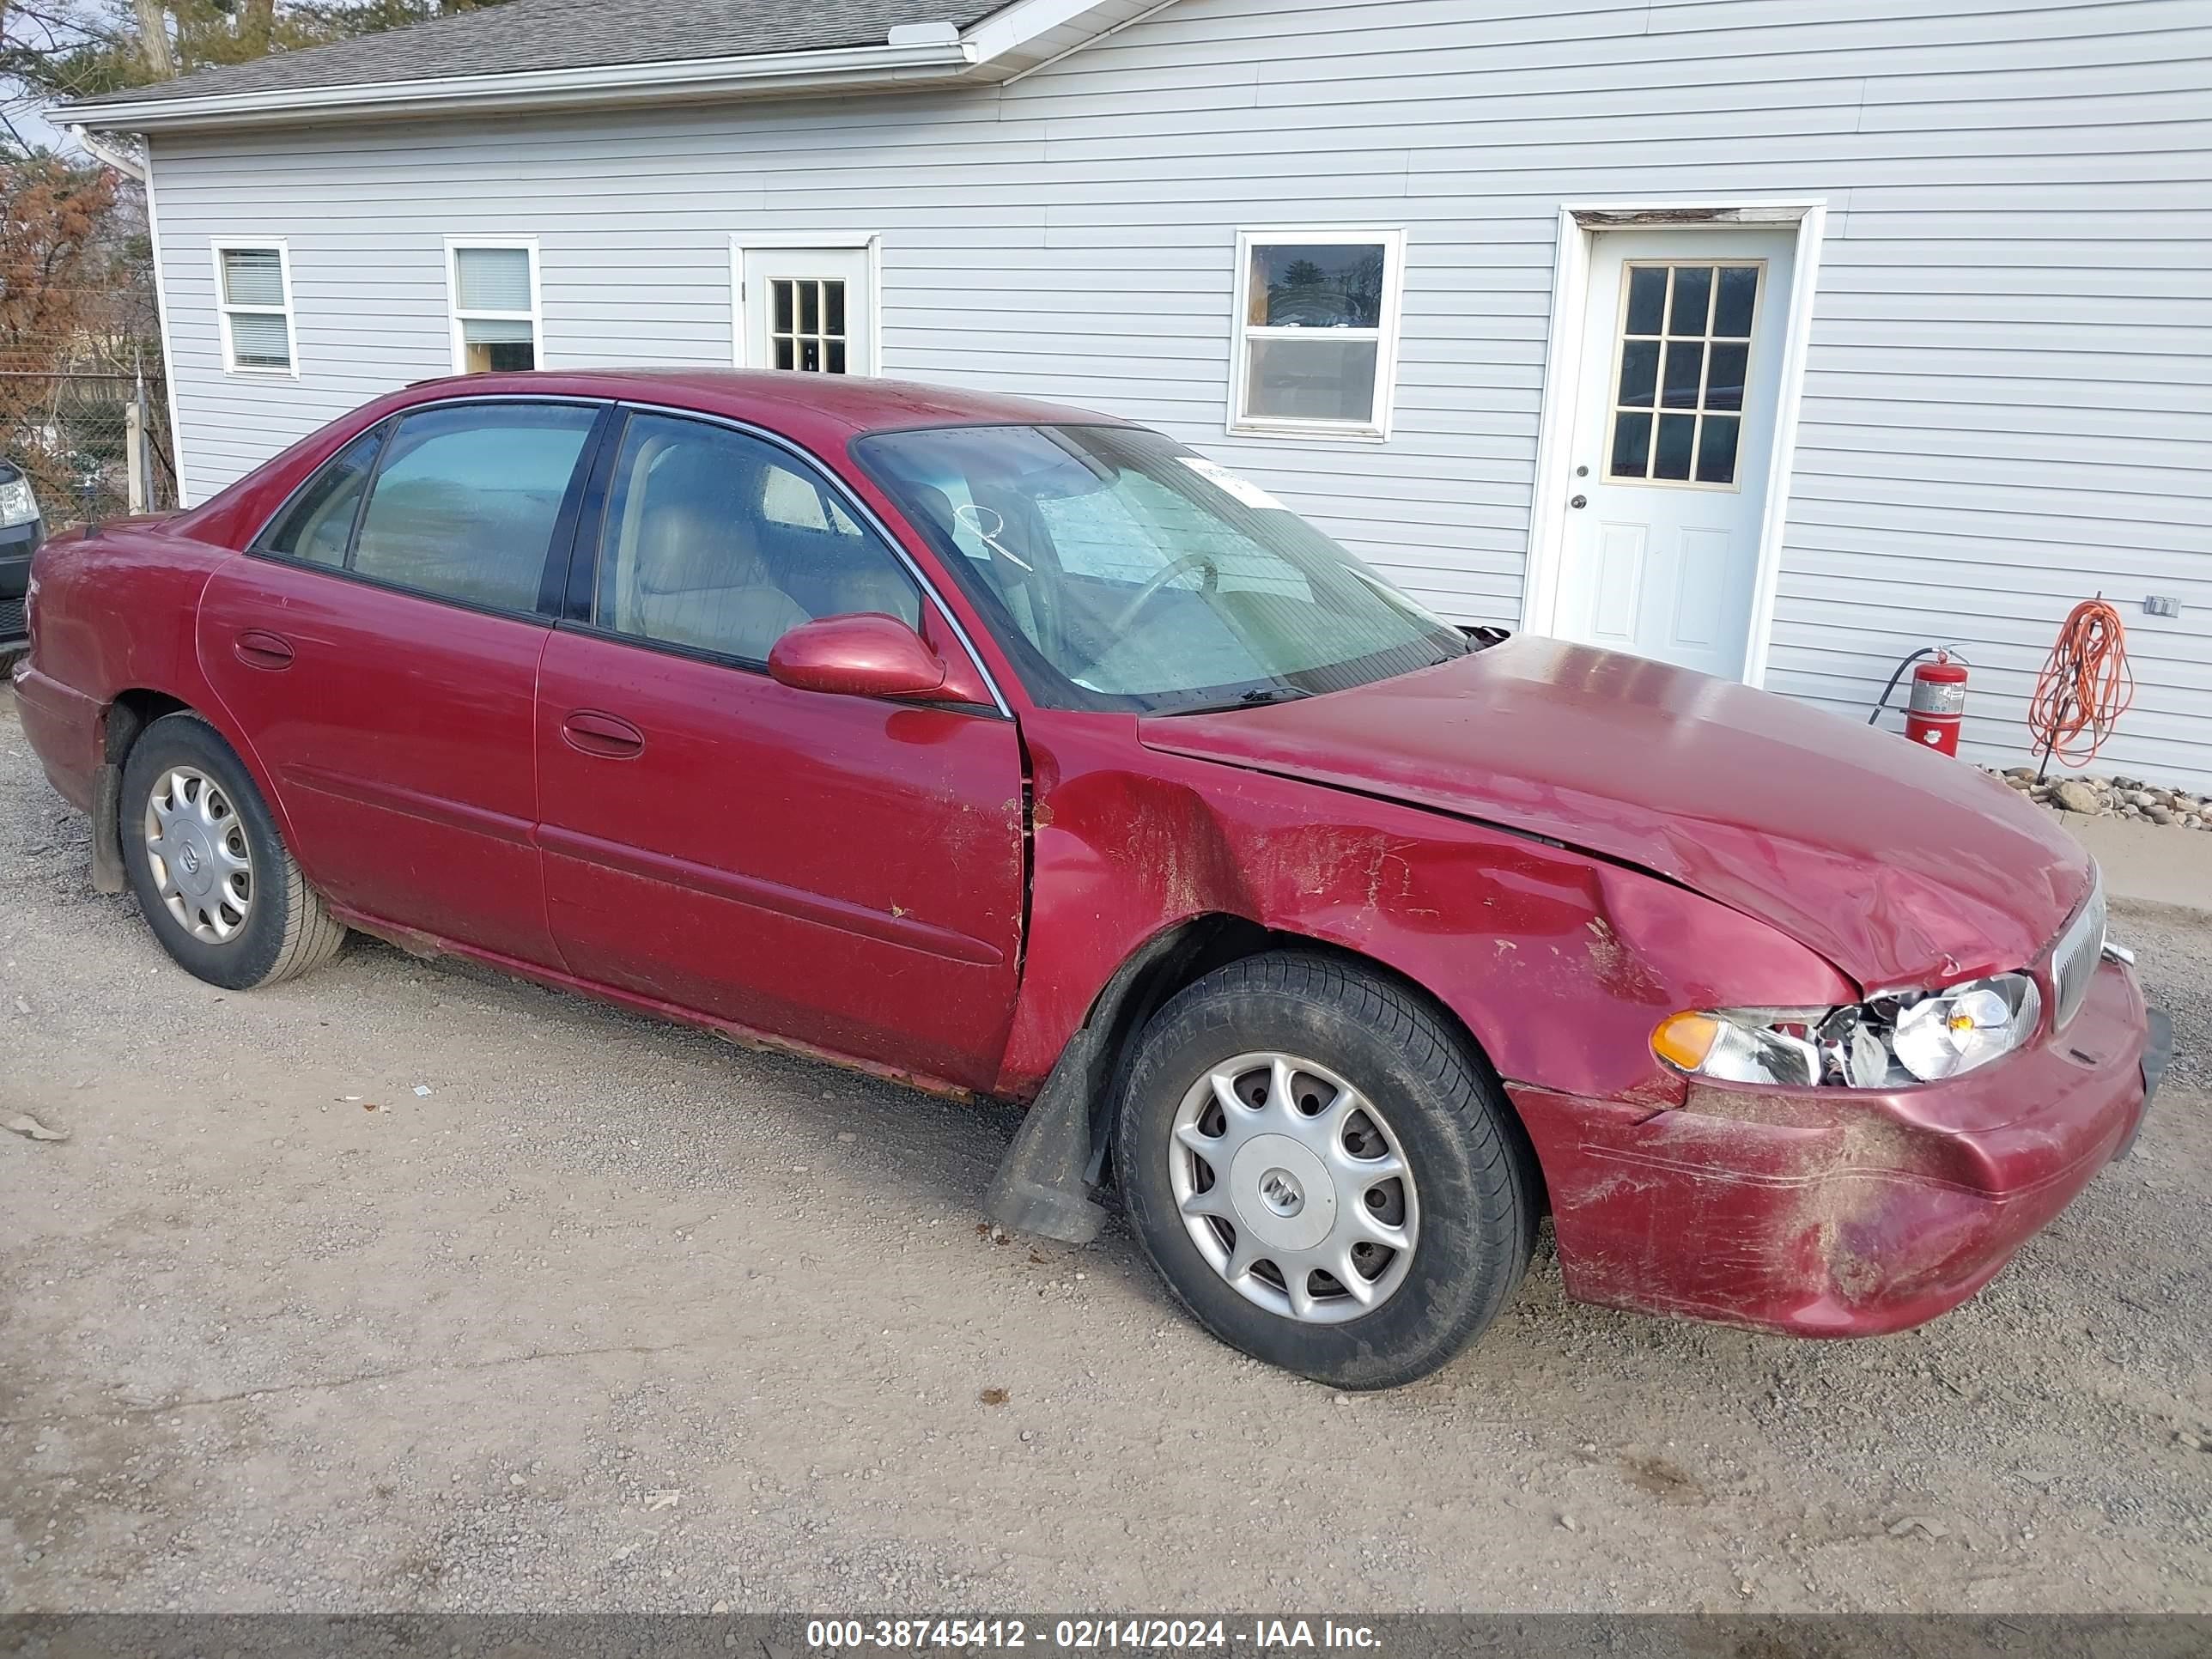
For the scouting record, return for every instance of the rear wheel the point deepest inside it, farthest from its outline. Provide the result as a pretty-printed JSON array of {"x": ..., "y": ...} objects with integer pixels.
[
  {"x": 216, "y": 881},
  {"x": 1322, "y": 1171}
]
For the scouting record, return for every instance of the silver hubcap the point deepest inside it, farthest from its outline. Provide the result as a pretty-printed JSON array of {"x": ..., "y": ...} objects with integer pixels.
[
  {"x": 1294, "y": 1188},
  {"x": 202, "y": 864}
]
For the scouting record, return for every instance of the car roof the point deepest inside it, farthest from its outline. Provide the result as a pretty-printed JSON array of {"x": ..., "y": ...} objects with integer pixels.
[{"x": 803, "y": 405}]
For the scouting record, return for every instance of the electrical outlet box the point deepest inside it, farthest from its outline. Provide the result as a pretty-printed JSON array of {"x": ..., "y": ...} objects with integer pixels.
[{"x": 2161, "y": 605}]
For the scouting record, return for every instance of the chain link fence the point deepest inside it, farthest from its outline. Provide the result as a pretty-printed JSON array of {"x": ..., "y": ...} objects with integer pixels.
[{"x": 94, "y": 437}]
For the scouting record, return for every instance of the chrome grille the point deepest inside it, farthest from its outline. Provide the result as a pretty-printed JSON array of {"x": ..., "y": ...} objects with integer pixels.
[{"x": 2073, "y": 958}]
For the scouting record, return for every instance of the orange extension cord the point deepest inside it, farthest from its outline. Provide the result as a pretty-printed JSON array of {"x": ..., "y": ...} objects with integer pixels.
[{"x": 2085, "y": 687}]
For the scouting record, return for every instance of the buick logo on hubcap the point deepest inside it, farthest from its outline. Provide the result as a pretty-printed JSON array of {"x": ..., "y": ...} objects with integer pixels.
[
  {"x": 1280, "y": 1191},
  {"x": 188, "y": 855}
]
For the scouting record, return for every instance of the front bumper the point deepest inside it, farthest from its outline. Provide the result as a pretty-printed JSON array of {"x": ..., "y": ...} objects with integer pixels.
[{"x": 1833, "y": 1213}]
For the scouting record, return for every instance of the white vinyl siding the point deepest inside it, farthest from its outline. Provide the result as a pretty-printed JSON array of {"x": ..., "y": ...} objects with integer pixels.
[{"x": 2005, "y": 405}]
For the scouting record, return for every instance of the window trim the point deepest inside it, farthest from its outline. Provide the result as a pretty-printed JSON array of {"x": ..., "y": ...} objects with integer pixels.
[
  {"x": 219, "y": 246},
  {"x": 455, "y": 246},
  {"x": 1244, "y": 424}
]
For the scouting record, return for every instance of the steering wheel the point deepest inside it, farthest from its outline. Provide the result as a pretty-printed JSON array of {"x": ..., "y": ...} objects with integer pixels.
[{"x": 1160, "y": 578}]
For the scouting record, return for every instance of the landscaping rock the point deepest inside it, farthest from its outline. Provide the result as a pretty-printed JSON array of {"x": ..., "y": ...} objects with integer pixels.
[{"x": 2075, "y": 796}]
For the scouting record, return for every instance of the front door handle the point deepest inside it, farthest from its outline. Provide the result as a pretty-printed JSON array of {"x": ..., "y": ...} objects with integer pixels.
[
  {"x": 590, "y": 733},
  {"x": 257, "y": 647}
]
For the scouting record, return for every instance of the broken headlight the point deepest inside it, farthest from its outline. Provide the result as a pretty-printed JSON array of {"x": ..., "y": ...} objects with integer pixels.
[{"x": 1891, "y": 1040}]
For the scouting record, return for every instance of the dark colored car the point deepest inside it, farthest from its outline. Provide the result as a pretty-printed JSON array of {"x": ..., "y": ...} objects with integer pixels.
[
  {"x": 22, "y": 530},
  {"x": 1008, "y": 750}
]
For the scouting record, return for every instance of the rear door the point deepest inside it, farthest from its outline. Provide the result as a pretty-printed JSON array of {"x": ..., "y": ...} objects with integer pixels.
[
  {"x": 842, "y": 870},
  {"x": 380, "y": 647}
]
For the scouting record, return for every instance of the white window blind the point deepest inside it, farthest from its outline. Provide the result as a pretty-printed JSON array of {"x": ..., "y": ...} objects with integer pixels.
[
  {"x": 492, "y": 278},
  {"x": 252, "y": 276}
]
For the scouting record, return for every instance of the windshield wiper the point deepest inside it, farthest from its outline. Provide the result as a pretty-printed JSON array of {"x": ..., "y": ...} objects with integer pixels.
[{"x": 1274, "y": 694}]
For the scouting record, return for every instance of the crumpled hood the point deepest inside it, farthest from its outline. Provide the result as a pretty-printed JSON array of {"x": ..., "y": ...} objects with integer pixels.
[{"x": 1899, "y": 865}]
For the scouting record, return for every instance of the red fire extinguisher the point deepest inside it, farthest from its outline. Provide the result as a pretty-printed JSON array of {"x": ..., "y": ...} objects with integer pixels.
[{"x": 1938, "y": 705}]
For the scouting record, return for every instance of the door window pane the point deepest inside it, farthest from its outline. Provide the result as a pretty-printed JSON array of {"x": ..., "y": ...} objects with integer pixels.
[
  {"x": 318, "y": 523},
  {"x": 466, "y": 501},
  {"x": 1735, "y": 301},
  {"x": 1724, "y": 379},
  {"x": 722, "y": 543},
  {"x": 1647, "y": 299},
  {"x": 1685, "y": 368},
  {"x": 1716, "y": 449},
  {"x": 1695, "y": 369},
  {"x": 1639, "y": 373},
  {"x": 1632, "y": 446}
]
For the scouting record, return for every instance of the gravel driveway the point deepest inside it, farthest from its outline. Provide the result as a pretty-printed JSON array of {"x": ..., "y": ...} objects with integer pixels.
[{"x": 407, "y": 1287}]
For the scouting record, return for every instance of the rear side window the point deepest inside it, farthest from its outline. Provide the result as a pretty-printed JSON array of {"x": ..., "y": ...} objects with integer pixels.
[
  {"x": 467, "y": 498},
  {"x": 318, "y": 523}
]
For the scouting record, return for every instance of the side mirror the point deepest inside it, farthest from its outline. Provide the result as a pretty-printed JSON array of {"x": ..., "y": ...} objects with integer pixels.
[{"x": 857, "y": 656}]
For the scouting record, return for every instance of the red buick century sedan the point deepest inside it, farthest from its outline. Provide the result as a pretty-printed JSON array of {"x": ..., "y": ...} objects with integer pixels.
[{"x": 1008, "y": 750}]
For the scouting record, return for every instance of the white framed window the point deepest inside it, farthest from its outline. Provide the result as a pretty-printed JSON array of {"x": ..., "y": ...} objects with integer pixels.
[
  {"x": 497, "y": 316},
  {"x": 253, "y": 299},
  {"x": 1316, "y": 346}
]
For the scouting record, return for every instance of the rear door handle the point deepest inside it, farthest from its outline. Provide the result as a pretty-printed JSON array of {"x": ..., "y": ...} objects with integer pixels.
[
  {"x": 591, "y": 732},
  {"x": 257, "y": 647}
]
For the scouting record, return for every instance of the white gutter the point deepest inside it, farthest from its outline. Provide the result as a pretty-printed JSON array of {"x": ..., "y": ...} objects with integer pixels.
[
  {"x": 596, "y": 85},
  {"x": 125, "y": 164}
]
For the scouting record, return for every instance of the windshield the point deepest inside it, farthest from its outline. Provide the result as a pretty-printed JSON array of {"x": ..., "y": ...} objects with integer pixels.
[{"x": 1121, "y": 570}]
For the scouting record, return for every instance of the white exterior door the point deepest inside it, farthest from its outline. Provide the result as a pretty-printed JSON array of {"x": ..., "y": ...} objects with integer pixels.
[
  {"x": 810, "y": 309},
  {"x": 1673, "y": 432}
]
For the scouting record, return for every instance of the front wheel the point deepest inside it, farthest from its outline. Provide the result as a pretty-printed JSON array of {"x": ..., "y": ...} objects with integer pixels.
[
  {"x": 214, "y": 880},
  {"x": 1321, "y": 1172}
]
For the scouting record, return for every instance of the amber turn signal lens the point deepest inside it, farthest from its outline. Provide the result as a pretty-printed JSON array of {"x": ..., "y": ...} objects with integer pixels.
[{"x": 1683, "y": 1040}]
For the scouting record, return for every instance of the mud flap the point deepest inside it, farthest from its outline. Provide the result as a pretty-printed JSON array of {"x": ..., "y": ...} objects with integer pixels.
[
  {"x": 1043, "y": 1184},
  {"x": 107, "y": 830}
]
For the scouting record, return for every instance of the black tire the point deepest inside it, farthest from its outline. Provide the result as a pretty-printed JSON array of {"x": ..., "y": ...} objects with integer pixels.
[
  {"x": 1478, "y": 1195},
  {"x": 284, "y": 929}
]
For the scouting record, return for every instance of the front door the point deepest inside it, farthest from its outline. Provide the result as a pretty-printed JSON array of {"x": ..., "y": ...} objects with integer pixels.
[
  {"x": 1675, "y": 429},
  {"x": 809, "y": 309},
  {"x": 839, "y": 870}
]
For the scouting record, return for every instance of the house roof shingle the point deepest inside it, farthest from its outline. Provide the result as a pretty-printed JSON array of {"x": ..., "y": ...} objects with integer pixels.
[{"x": 525, "y": 35}]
